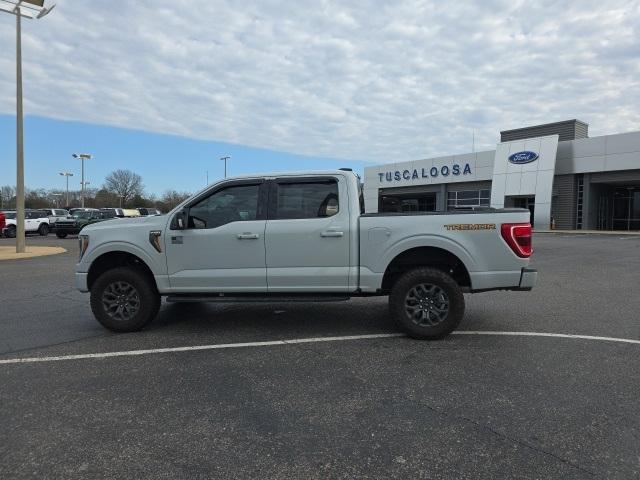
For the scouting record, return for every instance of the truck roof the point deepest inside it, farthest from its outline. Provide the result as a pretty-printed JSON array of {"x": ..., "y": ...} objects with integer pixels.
[{"x": 290, "y": 174}]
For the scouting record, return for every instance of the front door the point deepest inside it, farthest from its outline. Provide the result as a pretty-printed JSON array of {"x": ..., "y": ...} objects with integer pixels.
[
  {"x": 222, "y": 249},
  {"x": 308, "y": 235}
]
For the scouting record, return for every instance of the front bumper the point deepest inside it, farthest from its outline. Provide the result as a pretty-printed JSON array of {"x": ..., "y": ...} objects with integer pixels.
[
  {"x": 68, "y": 230},
  {"x": 81, "y": 281}
]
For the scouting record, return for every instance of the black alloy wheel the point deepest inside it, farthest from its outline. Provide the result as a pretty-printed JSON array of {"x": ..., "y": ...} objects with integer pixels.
[
  {"x": 426, "y": 303},
  {"x": 124, "y": 299}
]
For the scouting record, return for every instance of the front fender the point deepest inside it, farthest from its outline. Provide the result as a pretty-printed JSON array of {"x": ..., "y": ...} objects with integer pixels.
[{"x": 156, "y": 262}]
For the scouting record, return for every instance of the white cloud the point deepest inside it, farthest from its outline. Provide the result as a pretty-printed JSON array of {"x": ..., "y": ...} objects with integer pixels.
[{"x": 367, "y": 80}]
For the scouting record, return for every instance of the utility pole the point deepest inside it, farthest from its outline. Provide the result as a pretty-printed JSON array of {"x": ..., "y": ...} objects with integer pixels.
[
  {"x": 82, "y": 157},
  {"x": 29, "y": 9},
  {"x": 225, "y": 164},
  {"x": 67, "y": 174}
]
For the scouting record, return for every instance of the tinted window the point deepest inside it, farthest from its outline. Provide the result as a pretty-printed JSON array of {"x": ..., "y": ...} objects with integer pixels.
[
  {"x": 231, "y": 204},
  {"x": 307, "y": 200}
]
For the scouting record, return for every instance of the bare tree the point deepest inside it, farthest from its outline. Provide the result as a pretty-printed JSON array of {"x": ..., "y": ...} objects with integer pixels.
[
  {"x": 125, "y": 184},
  {"x": 171, "y": 199},
  {"x": 7, "y": 196}
]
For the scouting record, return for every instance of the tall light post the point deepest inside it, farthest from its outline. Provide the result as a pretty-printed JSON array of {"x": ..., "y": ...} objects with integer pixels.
[
  {"x": 82, "y": 157},
  {"x": 28, "y": 9},
  {"x": 224, "y": 159},
  {"x": 67, "y": 174}
]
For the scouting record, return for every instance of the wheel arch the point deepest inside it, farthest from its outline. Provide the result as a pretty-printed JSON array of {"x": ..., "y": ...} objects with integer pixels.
[
  {"x": 426, "y": 256},
  {"x": 114, "y": 259}
]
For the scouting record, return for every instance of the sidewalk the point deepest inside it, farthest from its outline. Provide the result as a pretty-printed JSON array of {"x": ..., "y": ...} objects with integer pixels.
[
  {"x": 9, "y": 253},
  {"x": 590, "y": 232}
]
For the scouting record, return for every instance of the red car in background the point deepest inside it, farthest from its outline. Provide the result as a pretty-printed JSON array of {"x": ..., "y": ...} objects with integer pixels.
[{"x": 3, "y": 222}]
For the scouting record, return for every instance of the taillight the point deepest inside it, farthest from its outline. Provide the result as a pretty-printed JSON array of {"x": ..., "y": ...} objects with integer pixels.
[{"x": 518, "y": 237}]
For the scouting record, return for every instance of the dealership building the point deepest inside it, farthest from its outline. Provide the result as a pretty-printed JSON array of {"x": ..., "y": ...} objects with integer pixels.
[{"x": 567, "y": 179}]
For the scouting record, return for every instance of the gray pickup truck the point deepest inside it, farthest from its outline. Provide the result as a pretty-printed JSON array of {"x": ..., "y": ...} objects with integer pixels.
[{"x": 299, "y": 237}]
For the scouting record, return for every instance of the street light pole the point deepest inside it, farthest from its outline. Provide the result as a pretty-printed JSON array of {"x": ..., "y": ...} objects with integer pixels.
[
  {"x": 32, "y": 9},
  {"x": 82, "y": 157},
  {"x": 67, "y": 174},
  {"x": 225, "y": 164},
  {"x": 20, "y": 221}
]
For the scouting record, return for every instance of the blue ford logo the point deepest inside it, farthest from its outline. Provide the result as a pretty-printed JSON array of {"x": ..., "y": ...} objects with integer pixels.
[{"x": 523, "y": 157}]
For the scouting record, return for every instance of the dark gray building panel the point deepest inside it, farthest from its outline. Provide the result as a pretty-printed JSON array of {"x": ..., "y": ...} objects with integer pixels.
[
  {"x": 462, "y": 186},
  {"x": 566, "y": 130},
  {"x": 563, "y": 202}
]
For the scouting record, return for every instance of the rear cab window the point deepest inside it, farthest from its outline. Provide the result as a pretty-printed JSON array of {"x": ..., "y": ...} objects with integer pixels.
[{"x": 304, "y": 198}]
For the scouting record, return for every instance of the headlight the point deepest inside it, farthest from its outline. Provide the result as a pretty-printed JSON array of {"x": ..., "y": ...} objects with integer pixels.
[{"x": 83, "y": 241}]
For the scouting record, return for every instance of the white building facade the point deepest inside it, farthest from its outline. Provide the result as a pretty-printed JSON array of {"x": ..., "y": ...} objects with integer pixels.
[{"x": 566, "y": 179}]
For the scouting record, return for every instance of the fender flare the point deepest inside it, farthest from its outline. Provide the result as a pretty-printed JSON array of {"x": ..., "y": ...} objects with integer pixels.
[
  {"x": 426, "y": 241},
  {"x": 156, "y": 267}
]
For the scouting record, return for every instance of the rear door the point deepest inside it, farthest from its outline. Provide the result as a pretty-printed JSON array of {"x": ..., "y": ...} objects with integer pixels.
[
  {"x": 307, "y": 235},
  {"x": 31, "y": 221}
]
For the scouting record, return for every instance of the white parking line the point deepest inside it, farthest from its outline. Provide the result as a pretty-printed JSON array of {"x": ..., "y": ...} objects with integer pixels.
[
  {"x": 542, "y": 334},
  {"x": 129, "y": 353}
]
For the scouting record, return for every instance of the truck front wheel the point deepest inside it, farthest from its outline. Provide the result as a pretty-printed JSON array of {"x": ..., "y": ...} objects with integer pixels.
[
  {"x": 426, "y": 303},
  {"x": 124, "y": 299}
]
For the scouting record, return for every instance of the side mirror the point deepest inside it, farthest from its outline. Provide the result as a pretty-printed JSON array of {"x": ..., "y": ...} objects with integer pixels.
[{"x": 180, "y": 220}]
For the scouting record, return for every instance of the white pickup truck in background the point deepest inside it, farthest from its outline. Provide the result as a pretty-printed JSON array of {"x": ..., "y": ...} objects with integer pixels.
[{"x": 302, "y": 236}]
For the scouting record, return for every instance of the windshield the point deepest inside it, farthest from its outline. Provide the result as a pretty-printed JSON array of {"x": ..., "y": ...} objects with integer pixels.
[
  {"x": 83, "y": 214},
  {"x": 10, "y": 215}
]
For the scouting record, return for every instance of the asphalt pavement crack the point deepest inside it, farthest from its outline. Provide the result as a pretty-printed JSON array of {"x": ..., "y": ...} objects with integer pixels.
[{"x": 517, "y": 441}]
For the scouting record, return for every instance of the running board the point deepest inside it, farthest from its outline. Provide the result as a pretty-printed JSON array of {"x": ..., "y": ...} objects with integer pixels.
[{"x": 245, "y": 298}]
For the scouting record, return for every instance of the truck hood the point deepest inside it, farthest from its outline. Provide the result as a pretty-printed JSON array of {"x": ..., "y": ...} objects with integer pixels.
[{"x": 158, "y": 221}]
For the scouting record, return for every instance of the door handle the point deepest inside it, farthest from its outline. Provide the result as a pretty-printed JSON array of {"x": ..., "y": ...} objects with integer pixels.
[
  {"x": 248, "y": 236},
  {"x": 332, "y": 233}
]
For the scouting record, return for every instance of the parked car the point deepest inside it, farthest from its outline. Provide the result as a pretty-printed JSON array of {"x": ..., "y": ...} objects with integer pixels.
[
  {"x": 3, "y": 222},
  {"x": 302, "y": 237},
  {"x": 131, "y": 212},
  {"x": 113, "y": 212},
  {"x": 74, "y": 210},
  {"x": 35, "y": 221},
  {"x": 54, "y": 215},
  {"x": 145, "y": 212},
  {"x": 76, "y": 222}
]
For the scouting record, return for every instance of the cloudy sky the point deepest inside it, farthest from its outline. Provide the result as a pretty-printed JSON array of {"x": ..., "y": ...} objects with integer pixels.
[{"x": 362, "y": 80}]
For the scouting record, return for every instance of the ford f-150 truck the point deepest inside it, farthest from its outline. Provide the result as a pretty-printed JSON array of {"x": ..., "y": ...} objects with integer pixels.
[{"x": 300, "y": 237}]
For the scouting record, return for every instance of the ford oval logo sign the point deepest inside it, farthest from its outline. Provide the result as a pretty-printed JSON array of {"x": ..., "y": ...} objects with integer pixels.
[{"x": 523, "y": 157}]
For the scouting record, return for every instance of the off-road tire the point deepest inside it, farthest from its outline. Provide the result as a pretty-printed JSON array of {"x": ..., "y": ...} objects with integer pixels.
[
  {"x": 43, "y": 231},
  {"x": 147, "y": 294},
  {"x": 10, "y": 231},
  {"x": 446, "y": 289}
]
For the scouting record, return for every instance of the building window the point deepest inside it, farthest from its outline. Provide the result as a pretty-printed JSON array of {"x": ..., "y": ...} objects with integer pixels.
[
  {"x": 407, "y": 203},
  {"x": 468, "y": 198}
]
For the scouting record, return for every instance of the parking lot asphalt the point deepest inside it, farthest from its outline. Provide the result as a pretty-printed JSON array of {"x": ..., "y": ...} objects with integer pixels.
[{"x": 465, "y": 407}]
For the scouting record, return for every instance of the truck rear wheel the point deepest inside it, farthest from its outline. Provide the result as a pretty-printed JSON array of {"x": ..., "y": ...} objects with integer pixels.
[
  {"x": 426, "y": 303},
  {"x": 124, "y": 299},
  {"x": 43, "y": 230}
]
